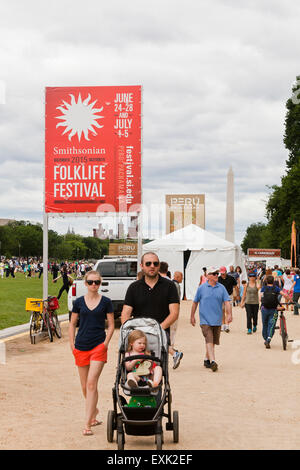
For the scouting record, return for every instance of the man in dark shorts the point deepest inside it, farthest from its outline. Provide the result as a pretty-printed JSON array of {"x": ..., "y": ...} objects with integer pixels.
[
  {"x": 210, "y": 297},
  {"x": 152, "y": 296}
]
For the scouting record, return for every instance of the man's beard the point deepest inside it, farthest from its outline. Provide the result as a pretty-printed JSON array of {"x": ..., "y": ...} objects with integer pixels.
[{"x": 151, "y": 275}]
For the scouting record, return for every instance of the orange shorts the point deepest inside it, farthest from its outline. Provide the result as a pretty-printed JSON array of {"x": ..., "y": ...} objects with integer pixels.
[{"x": 83, "y": 358}]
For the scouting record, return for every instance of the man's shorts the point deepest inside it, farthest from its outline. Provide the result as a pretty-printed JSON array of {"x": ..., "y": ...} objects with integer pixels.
[
  {"x": 83, "y": 358},
  {"x": 211, "y": 333}
]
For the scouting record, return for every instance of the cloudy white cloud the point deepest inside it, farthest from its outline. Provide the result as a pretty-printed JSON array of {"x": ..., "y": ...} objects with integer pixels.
[{"x": 215, "y": 76}]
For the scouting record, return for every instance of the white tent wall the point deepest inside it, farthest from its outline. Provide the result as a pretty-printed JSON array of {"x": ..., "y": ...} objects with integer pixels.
[
  {"x": 172, "y": 257},
  {"x": 200, "y": 259},
  {"x": 206, "y": 250}
]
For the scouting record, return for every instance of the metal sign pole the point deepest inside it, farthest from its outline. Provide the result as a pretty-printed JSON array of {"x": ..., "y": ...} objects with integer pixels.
[
  {"x": 140, "y": 215},
  {"x": 45, "y": 229},
  {"x": 45, "y": 256}
]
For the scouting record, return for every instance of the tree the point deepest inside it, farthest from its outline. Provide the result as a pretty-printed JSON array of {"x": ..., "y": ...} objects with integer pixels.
[
  {"x": 25, "y": 238},
  {"x": 292, "y": 126},
  {"x": 96, "y": 247},
  {"x": 253, "y": 237},
  {"x": 283, "y": 205}
]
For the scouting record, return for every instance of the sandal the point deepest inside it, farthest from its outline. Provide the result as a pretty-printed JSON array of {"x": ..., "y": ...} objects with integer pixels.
[
  {"x": 95, "y": 422},
  {"x": 87, "y": 432}
]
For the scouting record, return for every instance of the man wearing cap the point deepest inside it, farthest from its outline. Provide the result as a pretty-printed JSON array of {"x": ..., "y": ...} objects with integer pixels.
[
  {"x": 210, "y": 296},
  {"x": 229, "y": 282}
]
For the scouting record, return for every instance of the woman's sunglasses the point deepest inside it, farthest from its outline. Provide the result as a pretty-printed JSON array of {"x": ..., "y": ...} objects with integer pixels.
[
  {"x": 90, "y": 282},
  {"x": 155, "y": 263}
]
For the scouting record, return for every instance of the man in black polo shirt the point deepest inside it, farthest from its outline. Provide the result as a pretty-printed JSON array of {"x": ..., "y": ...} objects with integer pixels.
[
  {"x": 228, "y": 282},
  {"x": 152, "y": 296}
]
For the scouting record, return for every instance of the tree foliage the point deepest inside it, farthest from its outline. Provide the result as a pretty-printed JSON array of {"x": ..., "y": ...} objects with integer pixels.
[
  {"x": 26, "y": 239},
  {"x": 253, "y": 237},
  {"x": 292, "y": 126},
  {"x": 283, "y": 205}
]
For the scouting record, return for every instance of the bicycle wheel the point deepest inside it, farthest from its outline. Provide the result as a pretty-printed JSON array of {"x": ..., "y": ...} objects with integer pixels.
[
  {"x": 56, "y": 325},
  {"x": 283, "y": 332},
  {"x": 48, "y": 326},
  {"x": 36, "y": 326}
]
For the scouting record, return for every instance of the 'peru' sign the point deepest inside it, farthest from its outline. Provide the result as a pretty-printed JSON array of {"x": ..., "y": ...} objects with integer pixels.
[{"x": 92, "y": 149}]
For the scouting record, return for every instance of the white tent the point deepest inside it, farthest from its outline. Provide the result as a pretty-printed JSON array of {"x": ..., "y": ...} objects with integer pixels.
[{"x": 190, "y": 249}]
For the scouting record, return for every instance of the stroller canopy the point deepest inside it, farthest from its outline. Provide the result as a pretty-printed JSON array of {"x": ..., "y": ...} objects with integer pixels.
[{"x": 156, "y": 336}]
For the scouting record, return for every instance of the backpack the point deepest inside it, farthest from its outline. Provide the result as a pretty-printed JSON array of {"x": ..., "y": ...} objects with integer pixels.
[{"x": 270, "y": 298}]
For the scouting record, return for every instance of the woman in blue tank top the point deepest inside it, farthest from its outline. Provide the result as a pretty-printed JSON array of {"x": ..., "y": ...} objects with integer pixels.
[{"x": 90, "y": 345}]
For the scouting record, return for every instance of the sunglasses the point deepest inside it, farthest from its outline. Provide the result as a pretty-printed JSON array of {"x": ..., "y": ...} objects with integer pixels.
[
  {"x": 155, "y": 263},
  {"x": 90, "y": 282},
  {"x": 214, "y": 274}
]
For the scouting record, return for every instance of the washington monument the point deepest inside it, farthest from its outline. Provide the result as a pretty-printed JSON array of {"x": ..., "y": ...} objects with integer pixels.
[{"x": 229, "y": 229}]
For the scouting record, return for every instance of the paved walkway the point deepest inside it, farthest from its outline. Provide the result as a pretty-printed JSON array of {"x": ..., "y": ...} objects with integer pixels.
[{"x": 251, "y": 402}]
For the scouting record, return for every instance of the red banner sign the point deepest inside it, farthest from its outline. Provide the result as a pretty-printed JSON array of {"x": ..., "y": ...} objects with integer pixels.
[
  {"x": 92, "y": 149},
  {"x": 265, "y": 252}
]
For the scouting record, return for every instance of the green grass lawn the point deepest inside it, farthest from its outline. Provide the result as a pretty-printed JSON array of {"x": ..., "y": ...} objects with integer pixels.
[{"x": 13, "y": 293}]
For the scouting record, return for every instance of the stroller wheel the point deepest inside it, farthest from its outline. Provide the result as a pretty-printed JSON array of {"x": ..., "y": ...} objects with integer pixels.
[
  {"x": 159, "y": 441},
  {"x": 120, "y": 440},
  {"x": 175, "y": 426},
  {"x": 111, "y": 425},
  {"x": 120, "y": 435}
]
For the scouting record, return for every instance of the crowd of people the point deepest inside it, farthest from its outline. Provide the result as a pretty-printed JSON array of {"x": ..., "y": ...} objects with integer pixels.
[
  {"x": 257, "y": 288},
  {"x": 157, "y": 294},
  {"x": 33, "y": 267}
]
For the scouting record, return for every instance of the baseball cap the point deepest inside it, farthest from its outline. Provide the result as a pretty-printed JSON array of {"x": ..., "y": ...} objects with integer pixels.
[
  {"x": 212, "y": 269},
  {"x": 251, "y": 274},
  {"x": 222, "y": 270}
]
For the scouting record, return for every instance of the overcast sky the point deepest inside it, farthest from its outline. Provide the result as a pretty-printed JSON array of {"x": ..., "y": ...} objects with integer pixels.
[{"x": 216, "y": 75}]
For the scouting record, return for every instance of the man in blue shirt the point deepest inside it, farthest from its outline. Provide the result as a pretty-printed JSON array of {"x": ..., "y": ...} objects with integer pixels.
[
  {"x": 296, "y": 293},
  {"x": 210, "y": 297}
]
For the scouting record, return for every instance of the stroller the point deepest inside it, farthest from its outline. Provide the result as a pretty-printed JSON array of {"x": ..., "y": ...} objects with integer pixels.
[{"x": 141, "y": 420}]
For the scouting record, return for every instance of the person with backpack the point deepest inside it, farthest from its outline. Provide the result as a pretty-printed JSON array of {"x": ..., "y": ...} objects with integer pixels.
[{"x": 269, "y": 302}]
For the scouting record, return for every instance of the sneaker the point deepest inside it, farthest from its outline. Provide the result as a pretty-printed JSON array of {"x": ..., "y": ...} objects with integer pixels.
[
  {"x": 227, "y": 329},
  {"x": 206, "y": 363},
  {"x": 214, "y": 366},
  {"x": 254, "y": 329},
  {"x": 132, "y": 383},
  {"x": 267, "y": 344},
  {"x": 177, "y": 358},
  {"x": 249, "y": 332}
]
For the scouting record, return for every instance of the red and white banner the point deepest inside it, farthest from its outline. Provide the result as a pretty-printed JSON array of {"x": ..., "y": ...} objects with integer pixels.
[
  {"x": 92, "y": 149},
  {"x": 265, "y": 252}
]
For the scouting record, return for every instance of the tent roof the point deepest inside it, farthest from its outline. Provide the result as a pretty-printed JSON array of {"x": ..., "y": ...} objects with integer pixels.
[{"x": 190, "y": 237}]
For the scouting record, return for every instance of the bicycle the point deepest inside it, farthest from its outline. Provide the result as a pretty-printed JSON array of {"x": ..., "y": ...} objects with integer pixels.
[
  {"x": 43, "y": 318},
  {"x": 51, "y": 306},
  {"x": 282, "y": 324}
]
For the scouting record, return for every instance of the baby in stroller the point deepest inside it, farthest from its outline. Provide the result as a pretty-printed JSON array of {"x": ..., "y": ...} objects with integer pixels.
[{"x": 141, "y": 373}]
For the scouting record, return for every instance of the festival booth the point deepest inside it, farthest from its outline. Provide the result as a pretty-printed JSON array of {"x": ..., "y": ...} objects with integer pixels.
[{"x": 190, "y": 249}]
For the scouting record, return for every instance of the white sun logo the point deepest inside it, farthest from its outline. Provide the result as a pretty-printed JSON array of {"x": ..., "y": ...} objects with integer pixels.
[{"x": 79, "y": 117}]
